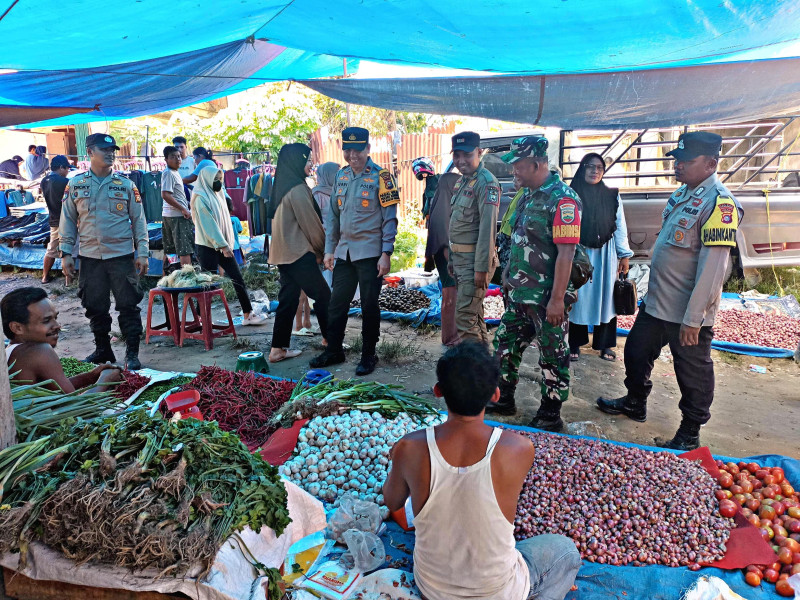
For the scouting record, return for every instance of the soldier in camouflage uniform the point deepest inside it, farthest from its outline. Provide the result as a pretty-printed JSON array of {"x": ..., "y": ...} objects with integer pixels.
[
  {"x": 545, "y": 230},
  {"x": 473, "y": 224}
]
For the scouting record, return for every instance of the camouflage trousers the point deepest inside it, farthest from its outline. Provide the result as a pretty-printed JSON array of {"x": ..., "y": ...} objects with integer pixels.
[
  {"x": 520, "y": 325},
  {"x": 469, "y": 299}
]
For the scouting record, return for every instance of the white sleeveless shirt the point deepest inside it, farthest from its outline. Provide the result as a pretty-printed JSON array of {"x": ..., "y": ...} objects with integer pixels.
[{"x": 464, "y": 544}]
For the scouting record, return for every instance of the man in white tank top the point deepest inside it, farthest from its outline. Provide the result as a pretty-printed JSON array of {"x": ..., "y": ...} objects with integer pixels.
[{"x": 464, "y": 479}]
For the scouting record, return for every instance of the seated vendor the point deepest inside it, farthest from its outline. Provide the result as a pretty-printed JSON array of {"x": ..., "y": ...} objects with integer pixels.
[
  {"x": 464, "y": 479},
  {"x": 30, "y": 323}
]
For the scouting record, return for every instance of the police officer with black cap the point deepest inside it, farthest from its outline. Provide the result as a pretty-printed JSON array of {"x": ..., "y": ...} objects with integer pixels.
[
  {"x": 105, "y": 210},
  {"x": 360, "y": 233},
  {"x": 690, "y": 264}
]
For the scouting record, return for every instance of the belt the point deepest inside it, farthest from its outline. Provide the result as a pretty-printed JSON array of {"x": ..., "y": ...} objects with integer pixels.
[{"x": 462, "y": 247}]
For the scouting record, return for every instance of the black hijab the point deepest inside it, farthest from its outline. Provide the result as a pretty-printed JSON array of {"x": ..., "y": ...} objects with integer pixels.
[
  {"x": 600, "y": 204},
  {"x": 289, "y": 173}
]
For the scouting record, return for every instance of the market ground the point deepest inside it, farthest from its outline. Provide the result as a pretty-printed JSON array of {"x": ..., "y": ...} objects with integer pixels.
[{"x": 752, "y": 413}]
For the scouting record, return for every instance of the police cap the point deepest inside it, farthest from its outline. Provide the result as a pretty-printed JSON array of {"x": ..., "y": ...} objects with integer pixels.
[
  {"x": 697, "y": 143},
  {"x": 466, "y": 141},
  {"x": 102, "y": 141},
  {"x": 530, "y": 146},
  {"x": 355, "y": 138}
]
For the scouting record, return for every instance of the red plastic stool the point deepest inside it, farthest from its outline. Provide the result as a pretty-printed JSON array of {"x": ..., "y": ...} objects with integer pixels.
[
  {"x": 202, "y": 327},
  {"x": 172, "y": 326}
]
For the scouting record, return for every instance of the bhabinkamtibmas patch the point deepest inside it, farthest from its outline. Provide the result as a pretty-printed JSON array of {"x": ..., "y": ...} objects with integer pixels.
[
  {"x": 567, "y": 222},
  {"x": 720, "y": 229},
  {"x": 388, "y": 194}
]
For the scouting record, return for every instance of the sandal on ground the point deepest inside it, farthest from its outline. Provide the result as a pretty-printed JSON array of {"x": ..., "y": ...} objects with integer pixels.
[
  {"x": 303, "y": 331},
  {"x": 608, "y": 354},
  {"x": 574, "y": 356},
  {"x": 287, "y": 354}
]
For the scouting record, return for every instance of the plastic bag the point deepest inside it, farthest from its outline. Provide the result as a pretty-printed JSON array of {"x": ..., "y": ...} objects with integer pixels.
[
  {"x": 260, "y": 302},
  {"x": 354, "y": 513},
  {"x": 366, "y": 549},
  {"x": 711, "y": 588}
]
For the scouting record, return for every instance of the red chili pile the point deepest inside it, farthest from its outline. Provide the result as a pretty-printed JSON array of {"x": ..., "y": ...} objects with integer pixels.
[
  {"x": 622, "y": 506},
  {"x": 132, "y": 383},
  {"x": 240, "y": 402},
  {"x": 770, "y": 503},
  {"x": 743, "y": 327}
]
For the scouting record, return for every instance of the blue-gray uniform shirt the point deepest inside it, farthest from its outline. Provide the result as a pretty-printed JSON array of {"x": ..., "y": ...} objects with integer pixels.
[
  {"x": 690, "y": 256},
  {"x": 107, "y": 214},
  {"x": 359, "y": 222}
]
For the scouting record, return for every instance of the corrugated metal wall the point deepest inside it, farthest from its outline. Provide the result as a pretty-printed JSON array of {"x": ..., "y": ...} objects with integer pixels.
[{"x": 433, "y": 145}]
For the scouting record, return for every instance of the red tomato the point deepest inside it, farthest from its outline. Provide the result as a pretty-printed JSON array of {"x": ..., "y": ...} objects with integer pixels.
[
  {"x": 771, "y": 575},
  {"x": 739, "y": 498},
  {"x": 754, "y": 569},
  {"x": 753, "y": 579},
  {"x": 780, "y": 531},
  {"x": 736, "y": 489},
  {"x": 754, "y": 520},
  {"x": 746, "y": 486},
  {"x": 727, "y": 508},
  {"x": 793, "y": 526},
  {"x": 766, "y": 533},
  {"x": 768, "y": 479},
  {"x": 777, "y": 473},
  {"x": 753, "y": 467},
  {"x": 753, "y": 504},
  {"x": 766, "y": 512},
  {"x": 795, "y": 569},
  {"x": 785, "y": 556},
  {"x": 723, "y": 494},
  {"x": 784, "y": 588},
  {"x": 761, "y": 473},
  {"x": 768, "y": 492},
  {"x": 725, "y": 480}
]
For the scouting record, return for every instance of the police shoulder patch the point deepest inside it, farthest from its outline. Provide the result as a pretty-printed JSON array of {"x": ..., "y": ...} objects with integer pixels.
[
  {"x": 388, "y": 193},
  {"x": 136, "y": 196},
  {"x": 720, "y": 228}
]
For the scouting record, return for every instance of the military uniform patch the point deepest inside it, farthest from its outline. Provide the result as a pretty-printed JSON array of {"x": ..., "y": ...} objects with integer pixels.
[
  {"x": 136, "y": 195},
  {"x": 679, "y": 235},
  {"x": 492, "y": 195},
  {"x": 387, "y": 189},
  {"x": 567, "y": 213}
]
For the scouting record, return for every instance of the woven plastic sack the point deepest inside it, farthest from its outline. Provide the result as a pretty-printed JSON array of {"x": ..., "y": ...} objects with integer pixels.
[{"x": 366, "y": 549}]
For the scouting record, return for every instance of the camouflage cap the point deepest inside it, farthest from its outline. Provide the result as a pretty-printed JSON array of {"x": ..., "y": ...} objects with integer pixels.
[{"x": 530, "y": 146}]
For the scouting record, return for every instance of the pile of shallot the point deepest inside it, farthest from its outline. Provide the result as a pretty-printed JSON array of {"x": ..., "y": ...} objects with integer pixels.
[{"x": 622, "y": 506}]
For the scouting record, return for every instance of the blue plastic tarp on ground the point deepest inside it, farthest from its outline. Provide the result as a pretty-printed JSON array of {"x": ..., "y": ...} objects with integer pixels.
[
  {"x": 416, "y": 318},
  {"x": 604, "y": 582}
]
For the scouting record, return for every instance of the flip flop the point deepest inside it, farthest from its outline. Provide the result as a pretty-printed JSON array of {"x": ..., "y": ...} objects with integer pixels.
[
  {"x": 289, "y": 354},
  {"x": 575, "y": 356},
  {"x": 303, "y": 332},
  {"x": 608, "y": 355}
]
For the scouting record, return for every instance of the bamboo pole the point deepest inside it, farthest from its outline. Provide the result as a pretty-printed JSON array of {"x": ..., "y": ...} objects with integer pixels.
[{"x": 8, "y": 431}]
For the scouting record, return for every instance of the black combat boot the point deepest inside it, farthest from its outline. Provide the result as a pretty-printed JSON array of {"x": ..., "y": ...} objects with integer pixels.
[
  {"x": 506, "y": 405},
  {"x": 367, "y": 364},
  {"x": 132, "y": 355},
  {"x": 548, "y": 417},
  {"x": 327, "y": 358},
  {"x": 624, "y": 406},
  {"x": 102, "y": 350},
  {"x": 686, "y": 438}
]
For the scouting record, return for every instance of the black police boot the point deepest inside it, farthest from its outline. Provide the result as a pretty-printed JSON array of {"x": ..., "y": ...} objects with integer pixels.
[
  {"x": 102, "y": 350},
  {"x": 367, "y": 365},
  {"x": 132, "y": 355},
  {"x": 548, "y": 417},
  {"x": 624, "y": 406},
  {"x": 505, "y": 406},
  {"x": 327, "y": 358},
  {"x": 686, "y": 438}
]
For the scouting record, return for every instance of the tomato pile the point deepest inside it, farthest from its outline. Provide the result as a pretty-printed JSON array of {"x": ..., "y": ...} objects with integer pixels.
[{"x": 769, "y": 502}]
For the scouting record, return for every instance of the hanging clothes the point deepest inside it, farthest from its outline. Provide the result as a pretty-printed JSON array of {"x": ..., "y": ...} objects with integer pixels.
[
  {"x": 151, "y": 196},
  {"x": 234, "y": 185}
]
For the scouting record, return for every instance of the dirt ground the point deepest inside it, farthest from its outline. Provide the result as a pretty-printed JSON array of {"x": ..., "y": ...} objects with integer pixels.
[{"x": 752, "y": 413}]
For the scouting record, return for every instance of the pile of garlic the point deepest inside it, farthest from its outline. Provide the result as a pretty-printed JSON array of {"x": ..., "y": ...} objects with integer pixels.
[{"x": 348, "y": 454}]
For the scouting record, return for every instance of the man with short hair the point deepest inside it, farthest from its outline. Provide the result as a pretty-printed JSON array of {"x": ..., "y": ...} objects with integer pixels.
[
  {"x": 464, "y": 479},
  {"x": 689, "y": 266},
  {"x": 545, "y": 231},
  {"x": 36, "y": 161},
  {"x": 105, "y": 209},
  {"x": 187, "y": 160},
  {"x": 53, "y": 186},
  {"x": 473, "y": 223},
  {"x": 178, "y": 232},
  {"x": 30, "y": 323},
  {"x": 360, "y": 232},
  {"x": 9, "y": 169}
]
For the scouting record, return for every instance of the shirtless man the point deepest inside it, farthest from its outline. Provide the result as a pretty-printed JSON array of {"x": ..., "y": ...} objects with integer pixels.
[
  {"x": 30, "y": 323},
  {"x": 464, "y": 479}
]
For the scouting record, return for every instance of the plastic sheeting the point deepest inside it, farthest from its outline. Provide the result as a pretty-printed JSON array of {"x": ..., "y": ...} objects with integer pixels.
[
  {"x": 623, "y": 99},
  {"x": 153, "y": 86}
]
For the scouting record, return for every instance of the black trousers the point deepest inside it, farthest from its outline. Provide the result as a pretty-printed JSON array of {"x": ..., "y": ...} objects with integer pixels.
[
  {"x": 441, "y": 265},
  {"x": 694, "y": 368},
  {"x": 301, "y": 275},
  {"x": 347, "y": 275},
  {"x": 211, "y": 259},
  {"x": 100, "y": 277},
  {"x": 603, "y": 336}
]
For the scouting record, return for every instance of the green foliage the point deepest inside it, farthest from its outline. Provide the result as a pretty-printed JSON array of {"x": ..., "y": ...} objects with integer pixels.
[
  {"x": 333, "y": 115},
  {"x": 408, "y": 242},
  {"x": 779, "y": 281}
]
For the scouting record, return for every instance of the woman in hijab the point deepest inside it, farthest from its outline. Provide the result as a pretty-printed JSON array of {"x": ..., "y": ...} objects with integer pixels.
[
  {"x": 213, "y": 234},
  {"x": 326, "y": 177},
  {"x": 605, "y": 236},
  {"x": 298, "y": 246}
]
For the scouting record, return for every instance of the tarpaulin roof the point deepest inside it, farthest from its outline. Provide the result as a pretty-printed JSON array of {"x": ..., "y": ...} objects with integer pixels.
[
  {"x": 636, "y": 99},
  {"x": 502, "y": 36}
]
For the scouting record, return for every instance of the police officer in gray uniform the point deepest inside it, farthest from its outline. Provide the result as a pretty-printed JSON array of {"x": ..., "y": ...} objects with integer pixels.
[
  {"x": 105, "y": 210},
  {"x": 360, "y": 232},
  {"x": 689, "y": 266}
]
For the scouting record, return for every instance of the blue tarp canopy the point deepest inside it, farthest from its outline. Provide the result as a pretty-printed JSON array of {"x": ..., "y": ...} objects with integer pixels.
[{"x": 170, "y": 55}]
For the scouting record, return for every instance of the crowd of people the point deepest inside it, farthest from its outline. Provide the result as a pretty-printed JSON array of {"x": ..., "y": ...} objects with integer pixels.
[{"x": 34, "y": 165}]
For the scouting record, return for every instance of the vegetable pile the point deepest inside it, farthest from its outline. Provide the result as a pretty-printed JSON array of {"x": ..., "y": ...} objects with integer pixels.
[
  {"x": 622, "y": 506},
  {"x": 349, "y": 454},
  {"x": 493, "y": 307},
  {"x": 770, "y": 503},
  {"x": 131, "y": 383},
  {"x": 332, "y": 397},
  {"x": 73, "y": 366},
  {"x": 400, "y": 300},
  {"x": 240, "y": 402},
  {"x": 137, "y": 492},
  {"x": 154, "y": 392},
  {"x": 189, "y": 276},
  {"x": 744, "y": 327}
]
